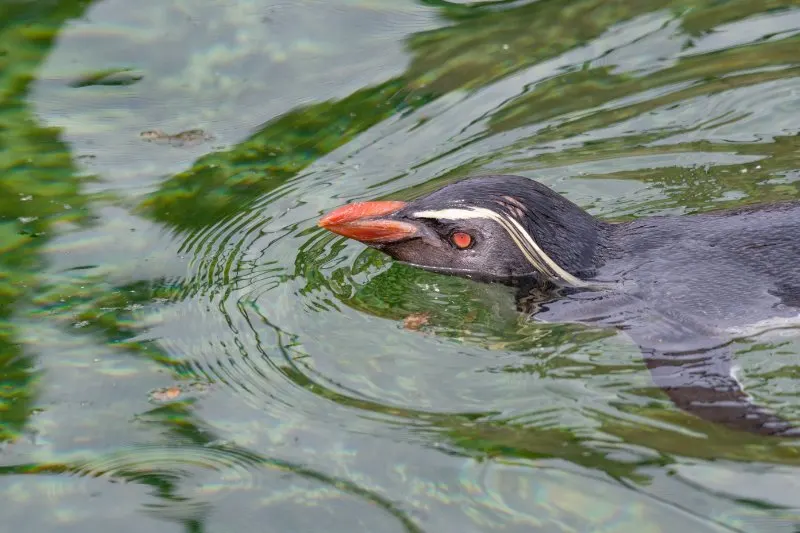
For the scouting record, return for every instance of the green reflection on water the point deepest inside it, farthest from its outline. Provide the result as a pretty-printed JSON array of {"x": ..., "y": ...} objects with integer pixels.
[
  {"x": 39, "y": 191},
  {"x": 41, "y": 194}
]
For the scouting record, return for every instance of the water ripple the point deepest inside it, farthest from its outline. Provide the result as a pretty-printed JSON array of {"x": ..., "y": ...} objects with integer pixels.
[{"x": 186, "y": 491}]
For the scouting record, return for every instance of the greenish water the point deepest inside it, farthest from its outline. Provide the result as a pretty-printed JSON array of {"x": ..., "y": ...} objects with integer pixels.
[{"x": 182, "y": 349}]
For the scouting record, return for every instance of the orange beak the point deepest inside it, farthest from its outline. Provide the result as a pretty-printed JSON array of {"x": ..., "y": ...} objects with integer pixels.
[{"x": 361, "y": 222}]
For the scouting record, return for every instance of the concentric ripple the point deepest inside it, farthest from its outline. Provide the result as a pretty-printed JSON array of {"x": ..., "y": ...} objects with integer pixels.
[
  {"x": 183, "y": 349},
  {"x": 190, "y": 479},
  {"x": 299, "y": 321}
]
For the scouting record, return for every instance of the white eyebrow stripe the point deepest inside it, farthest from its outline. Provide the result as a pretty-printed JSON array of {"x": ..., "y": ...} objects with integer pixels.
[
  {"x": 521, "y": 238},
  {"x": 453, "y": 213}
]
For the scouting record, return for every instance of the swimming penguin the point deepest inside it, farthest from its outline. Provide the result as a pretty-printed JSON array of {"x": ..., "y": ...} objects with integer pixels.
[{"x": 682, "y": 287}]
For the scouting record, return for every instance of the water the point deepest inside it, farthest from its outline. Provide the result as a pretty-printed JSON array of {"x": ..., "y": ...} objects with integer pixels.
[{"x": 182, "y": 349}]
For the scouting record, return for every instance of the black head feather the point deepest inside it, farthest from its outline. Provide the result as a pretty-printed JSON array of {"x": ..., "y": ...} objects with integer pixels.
[{"x": 571, "y": 237}]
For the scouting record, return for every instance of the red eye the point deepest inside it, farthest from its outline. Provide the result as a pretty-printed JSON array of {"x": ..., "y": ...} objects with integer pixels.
[{"x": 461, "y": 240}]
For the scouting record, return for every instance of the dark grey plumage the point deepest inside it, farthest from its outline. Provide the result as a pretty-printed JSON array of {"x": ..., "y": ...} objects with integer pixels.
[{"x": 682, "y": 287}]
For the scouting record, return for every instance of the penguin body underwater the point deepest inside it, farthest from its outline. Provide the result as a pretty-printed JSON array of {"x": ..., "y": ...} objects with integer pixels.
[{"x": 683, "y": 288}]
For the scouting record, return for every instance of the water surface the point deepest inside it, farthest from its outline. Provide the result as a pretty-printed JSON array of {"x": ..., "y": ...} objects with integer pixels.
[{"x": 182, "y": 349}]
